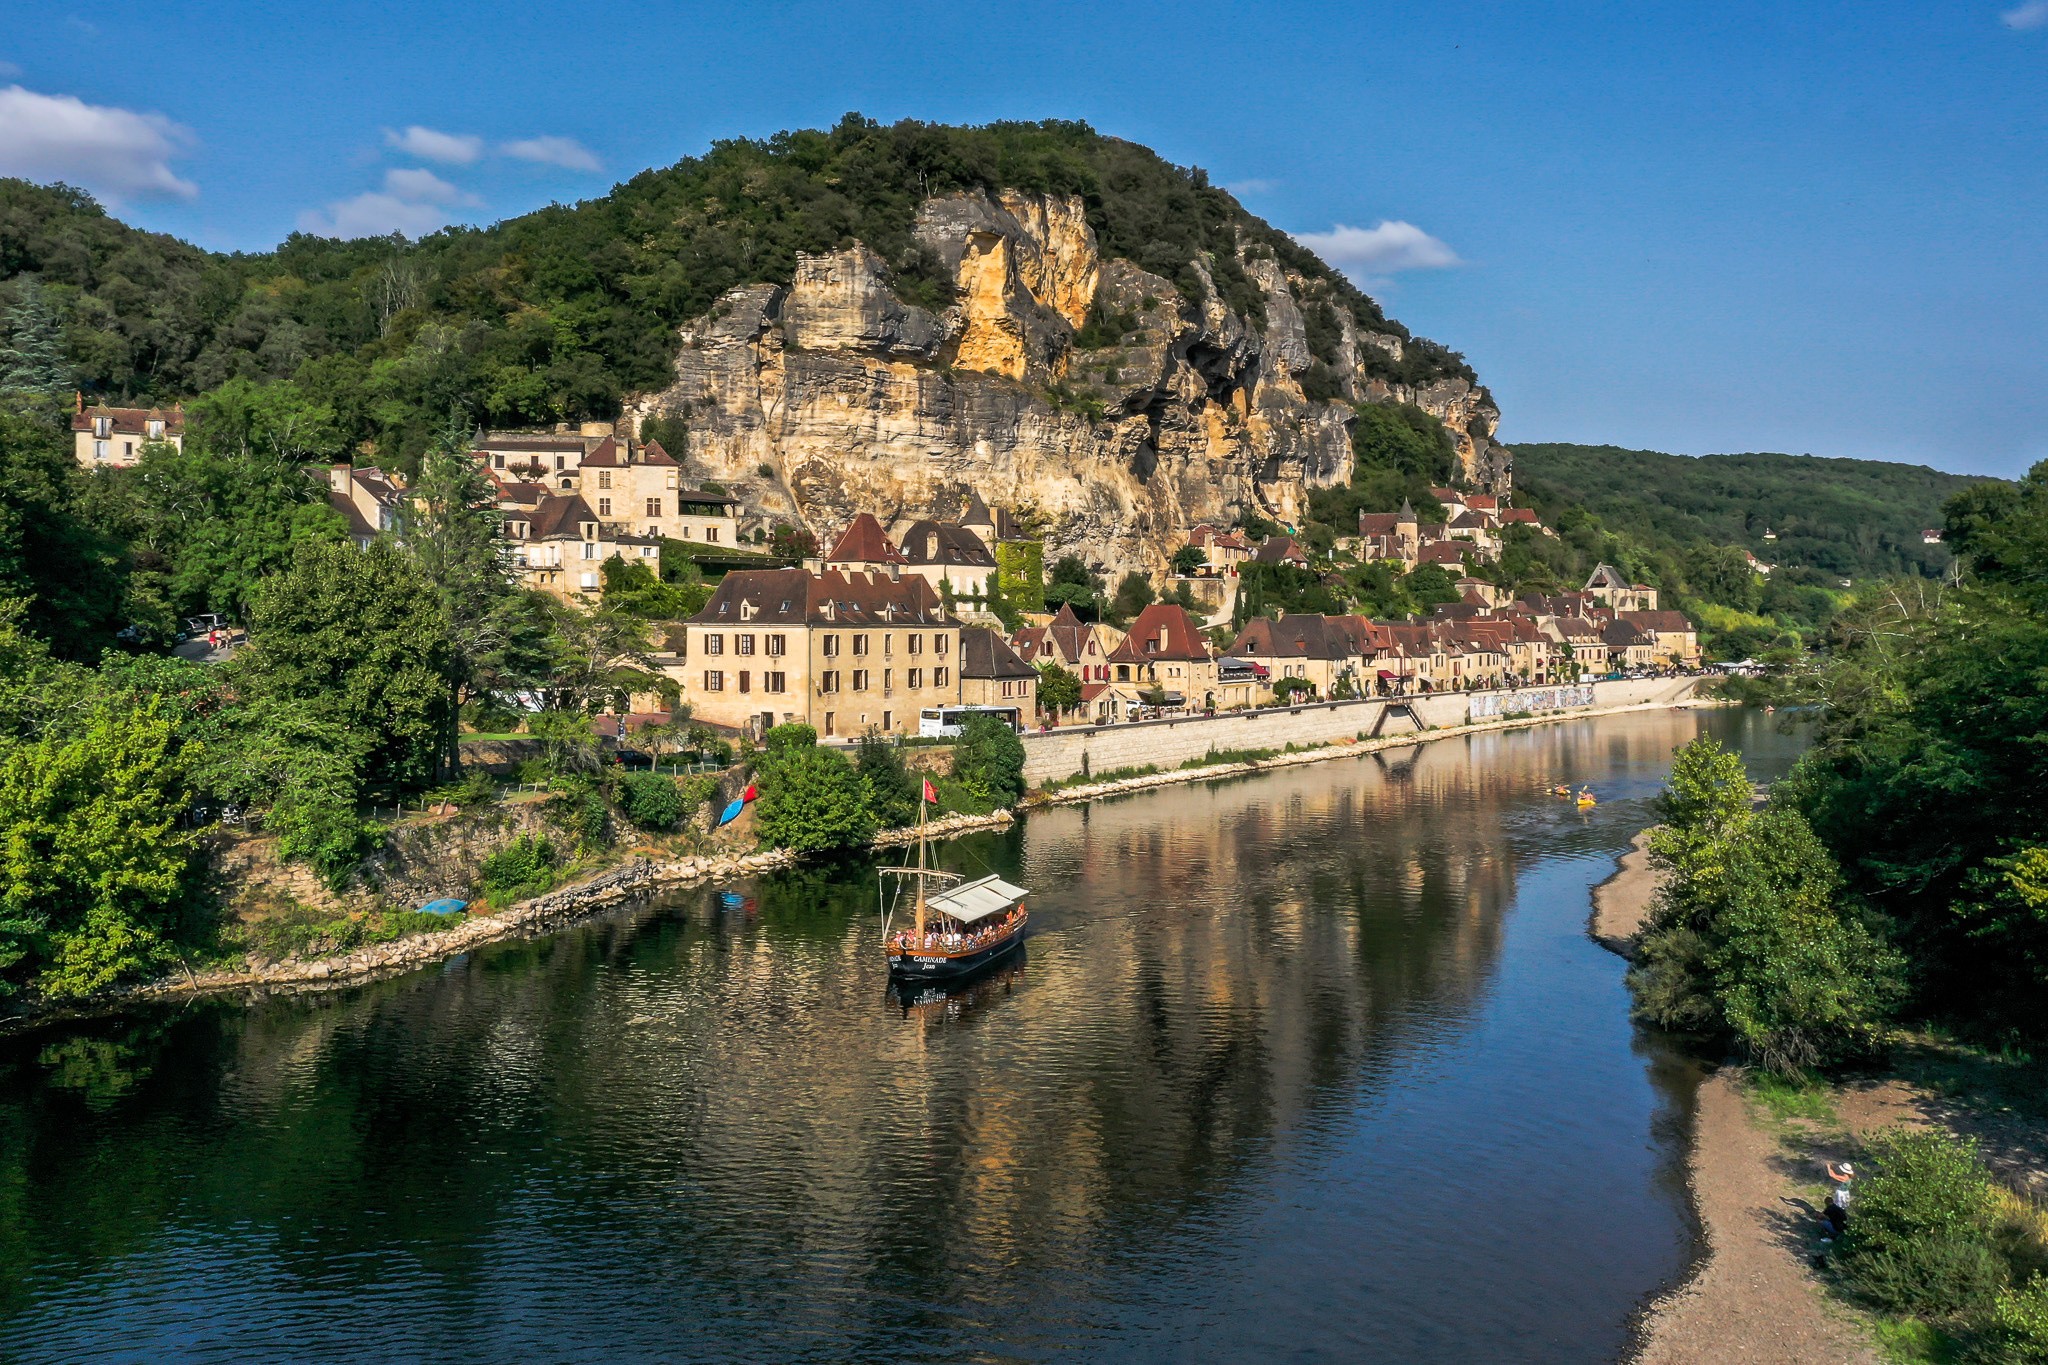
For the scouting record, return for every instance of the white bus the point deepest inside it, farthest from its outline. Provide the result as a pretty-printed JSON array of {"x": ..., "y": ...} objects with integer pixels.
[{"x": 944, "y": 722}]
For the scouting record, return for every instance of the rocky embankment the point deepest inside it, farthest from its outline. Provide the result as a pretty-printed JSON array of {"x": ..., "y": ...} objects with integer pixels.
[{"x": 1120, "y": 407}]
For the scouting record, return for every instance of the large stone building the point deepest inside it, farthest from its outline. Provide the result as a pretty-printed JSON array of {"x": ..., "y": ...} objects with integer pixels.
[
  {"x": 993, "y": 674},
  {"x": 845, "y": 652},
  {"x": 113, "y": 438}
]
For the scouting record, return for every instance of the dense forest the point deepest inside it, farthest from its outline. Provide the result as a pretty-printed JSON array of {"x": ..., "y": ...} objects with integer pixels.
[
  {"x": 560, "y": 313},
  {"x": 1848, "y": 518}
]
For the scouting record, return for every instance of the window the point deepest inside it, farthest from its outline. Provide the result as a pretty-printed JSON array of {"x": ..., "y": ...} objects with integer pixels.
[
  {"x": 832, "y": 646},
  {"x": 711, "y": 535},
  {"x": 885, "y": 681},
  {"x": 499, "y": 461},
  {"x": 714, "y": 680},
  {"x": 127, "y": 447},
  {"x": 860, "y": 644},
  {"x": 939, "y": 645},
  {"x": 714, "y": 644},
  {"x": 887, "y": 719},
  {"x": 604, "y": 478},
  {"x": 745, "y": 644},
  {"x": 589, "y": 549},
  {"x": 604, "y": 507},
  {"x": 913, "y": 677},
  {"x": 775, "y": 644},
  {"x": 654, "y": 507},
  {"x": 828, "y": 723},
  {"x": 744, "y": 675},
  {"x": 103, "y": 426},
  {"x": 828, "y": 682},
  {"x": 938, "y": 677},
  {"x": 590, "y": 582},
  {"x": 560, "y": 463},
  {"x": 99, "y": 450},
  {"x": 774, "y": 682},
  {"x": 914, "y": 643},
  {"x": 860, "y": 680}
]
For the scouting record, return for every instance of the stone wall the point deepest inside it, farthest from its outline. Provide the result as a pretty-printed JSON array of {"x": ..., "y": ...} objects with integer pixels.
[{"x": 1054, "y": 755}]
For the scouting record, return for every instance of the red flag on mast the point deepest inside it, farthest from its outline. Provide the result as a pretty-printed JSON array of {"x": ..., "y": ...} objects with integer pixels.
[{"x": 929, "y": 794}]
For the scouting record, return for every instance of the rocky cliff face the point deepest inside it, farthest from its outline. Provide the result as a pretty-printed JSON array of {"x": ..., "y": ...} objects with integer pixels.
[{"x": 1100, "y": 397}]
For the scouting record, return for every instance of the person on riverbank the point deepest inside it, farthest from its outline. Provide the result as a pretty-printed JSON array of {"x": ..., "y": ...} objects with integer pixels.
[{"x": 1837, "y": 1210}]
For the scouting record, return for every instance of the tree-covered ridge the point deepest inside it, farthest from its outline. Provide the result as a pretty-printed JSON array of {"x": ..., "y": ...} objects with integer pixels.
[
  {"x": 558, "y": 314},
  {"x": 1848, "y": 518}
]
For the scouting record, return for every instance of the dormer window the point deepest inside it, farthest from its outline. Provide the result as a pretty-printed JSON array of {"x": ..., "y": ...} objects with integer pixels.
[
  {"x": 746, "y": 611},
  {"x": 154, "y": 429},
  {"x": 103, "y": 427}
]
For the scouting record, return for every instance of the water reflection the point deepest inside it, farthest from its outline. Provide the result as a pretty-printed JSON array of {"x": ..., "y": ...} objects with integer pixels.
[{"x": 1268, "y": 1033}]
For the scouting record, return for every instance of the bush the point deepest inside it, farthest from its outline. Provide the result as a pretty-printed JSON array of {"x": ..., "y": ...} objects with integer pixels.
[
  {"x": 989, "y": 760},
  {"x": 475, "y": 789},
  {"x": 812, "y": 800},
  {"x": 892, "y": 790},
  {"x": 651, "y": 801},
  {"x": 2018, "y": 1331},
  {"x": 525, "y": 867},
  {"x": 1921, "y": 1227}
]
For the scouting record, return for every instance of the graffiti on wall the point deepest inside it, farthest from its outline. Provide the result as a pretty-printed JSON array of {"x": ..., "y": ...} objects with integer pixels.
[{"x": 1530, "y": 701}]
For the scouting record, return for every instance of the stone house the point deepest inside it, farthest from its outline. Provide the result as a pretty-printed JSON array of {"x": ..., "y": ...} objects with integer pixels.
[
  {"x": 993, "y": 674},
  {"x": 369, "y": 500},
  {"x": 1075, "y": 645},
  {"x": 1676, "y": 643},
  {"x": 864, "y": 547},
  {"x": 112, "y": 438},
  {"x": 1607, "y": 586},
  {"x": 843, "y": 651},
  {"x": 1164, "y": 652},
  {"x": 1302, "y": 645},
  {"x": 1628, "y": 646},
  {"x": 637, "y": 488},
  {"x": 559, "y": 544},
  {"x": 550, "y": 458},
  {"x": 948, "y": 557},
  {"x": 1223, "y": 551}
]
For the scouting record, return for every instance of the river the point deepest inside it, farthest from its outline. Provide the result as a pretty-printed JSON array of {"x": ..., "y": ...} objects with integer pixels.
[{"x": 1317, "y": 1064}]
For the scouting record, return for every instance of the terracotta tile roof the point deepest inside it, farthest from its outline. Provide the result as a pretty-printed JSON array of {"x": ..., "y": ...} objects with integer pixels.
[
  {"x": 1483, "y": 502},
  {"x": 652, "y": 453},
  {"x": 559, "y": 515},
  {"x": 1663, "y": 622},
  {"x": 864, "y": 542},
  {"x": 1605, "y": 576},
  {"x": 1442, "y": 552},
  {"x": 932, "y": 542},
  {"x": 1523, "y": 515},
  {"x": 1162, "y": 631},
  {"x": 1300, "y": 636},
  {"x": 986, "y": 654},
  {"x": 1378, "y": 523},
  {"x": 605, "y": 456}
]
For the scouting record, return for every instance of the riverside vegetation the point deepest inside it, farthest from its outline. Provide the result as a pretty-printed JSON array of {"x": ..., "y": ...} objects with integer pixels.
[{"x": 1897, "y": 879}]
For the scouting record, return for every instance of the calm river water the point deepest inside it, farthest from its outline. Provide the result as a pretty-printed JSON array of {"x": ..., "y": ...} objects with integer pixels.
[{"x": 1313, "y": 1065}]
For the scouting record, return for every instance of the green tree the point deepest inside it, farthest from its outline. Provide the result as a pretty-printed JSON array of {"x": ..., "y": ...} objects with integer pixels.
[
  {"x": 51, "y": 554},
  {"x": 100, "y": 876},
  {"x": 812, "y": 800},
  {"x": 1072, "y": 585},
  {"x": 1059, "y": 691},
  {"x": 1188, "y": 560},
  {"x": 892, "y": 789},
  {"x": 989, "y": 760},
  {"x": 651, "y": 801},
  {"x": 357, "y": 638},
  {"x": 33, "y": 358},
  {"x": 1133, "y": 594}
]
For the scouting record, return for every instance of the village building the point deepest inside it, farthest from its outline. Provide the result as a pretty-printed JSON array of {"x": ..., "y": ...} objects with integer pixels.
[
  {"x": 369, "y": 500},
  {"x": 559, "y": 545},
  {"x": 550, "y": 458},
  {"x": 1075, "y": 645},
  {"x": 864, "y": 547},
  {"x": 113, "y": 438},
  {"x": 950, "y": 558},
  {"x": 1613, "y": 591},
  {"x": 1224, "y": 552},
  {"x": 1164, "y": 661},
  {"x": 1302, "y": 645},
  {"x": 1675, "y": 641},
  {"x": 994, "y": 674},
  {"x": 637, "y": 488},
  {"x": 844, "y": 652},
  {"x": 1281, "y": 550},
  {"x": 1628, "y": 646}
]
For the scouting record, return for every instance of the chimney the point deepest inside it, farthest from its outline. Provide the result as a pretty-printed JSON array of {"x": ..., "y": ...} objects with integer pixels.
[
  {"x": 895, "y": 573},
  {"x": 78, "y": 397}
]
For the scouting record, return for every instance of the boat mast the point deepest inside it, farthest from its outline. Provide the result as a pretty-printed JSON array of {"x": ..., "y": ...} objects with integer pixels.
[{"x": 920, "y": 864}]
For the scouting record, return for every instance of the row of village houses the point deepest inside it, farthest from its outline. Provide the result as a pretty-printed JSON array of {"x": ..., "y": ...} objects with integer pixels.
[{"x": 864, "y": 642}]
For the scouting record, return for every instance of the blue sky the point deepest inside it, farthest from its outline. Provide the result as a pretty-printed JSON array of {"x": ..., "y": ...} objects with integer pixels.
[{"x": 1695, "y": 228}]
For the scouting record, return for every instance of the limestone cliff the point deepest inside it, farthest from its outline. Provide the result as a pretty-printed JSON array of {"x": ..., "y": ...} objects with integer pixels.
[{"x": 1119, "y": 406}]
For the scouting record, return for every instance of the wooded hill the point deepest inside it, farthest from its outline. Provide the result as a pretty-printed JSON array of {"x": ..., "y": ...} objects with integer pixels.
[
  {"x": 558, "y": 314},
  {"x": 1848, "y": 518}
]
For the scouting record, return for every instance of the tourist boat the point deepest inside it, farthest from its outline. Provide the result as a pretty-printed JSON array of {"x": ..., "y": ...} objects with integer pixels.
[{"x": 954, "y": 930}]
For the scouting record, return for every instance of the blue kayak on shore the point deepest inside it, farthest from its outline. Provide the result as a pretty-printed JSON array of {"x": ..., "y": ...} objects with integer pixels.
[{"x": 444, "y": 907}]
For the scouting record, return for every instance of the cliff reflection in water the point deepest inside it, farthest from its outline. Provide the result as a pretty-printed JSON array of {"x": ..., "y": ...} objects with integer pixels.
[{"x": 720, "y": 1110}]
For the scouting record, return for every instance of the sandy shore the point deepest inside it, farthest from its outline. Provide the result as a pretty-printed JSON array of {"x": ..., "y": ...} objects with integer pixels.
[{"x": 1753, "y": 1297}]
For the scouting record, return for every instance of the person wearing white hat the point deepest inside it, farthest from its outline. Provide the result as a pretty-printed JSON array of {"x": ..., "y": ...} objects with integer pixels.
[{"x": 1837, "y": 1210}]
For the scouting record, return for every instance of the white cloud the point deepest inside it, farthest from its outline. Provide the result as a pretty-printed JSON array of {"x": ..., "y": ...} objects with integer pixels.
[
  {"x": 450, "y": 149},
  {"x": 1241, "y": 188},
  {"x": 1383, "y": 250},
  {"x": 414, "y": 202},
  {"x": 116, "y": 153},
  {"x": 566, "y": 152},
  {"x": 2033, "y": 14},
  {"x": 424, "y": 187}
]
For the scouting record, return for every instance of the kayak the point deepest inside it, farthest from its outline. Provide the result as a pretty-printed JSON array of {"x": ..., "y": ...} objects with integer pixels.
[{"x": 445, "y": 906}]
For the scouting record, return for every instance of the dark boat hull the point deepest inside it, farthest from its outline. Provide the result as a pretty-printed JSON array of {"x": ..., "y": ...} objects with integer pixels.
[{"x": 912, "y": 967}]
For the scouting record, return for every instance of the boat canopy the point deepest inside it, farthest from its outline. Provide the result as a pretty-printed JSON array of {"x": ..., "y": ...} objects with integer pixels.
[{"x": 971, "y": 901}]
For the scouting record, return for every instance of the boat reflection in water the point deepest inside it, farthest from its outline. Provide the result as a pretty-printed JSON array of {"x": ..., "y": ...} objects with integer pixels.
[{"x": 945, "y": 1001}]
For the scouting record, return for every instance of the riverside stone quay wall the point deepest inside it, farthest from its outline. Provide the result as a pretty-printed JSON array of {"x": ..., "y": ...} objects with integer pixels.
[{"x": 1051, "y": 756}]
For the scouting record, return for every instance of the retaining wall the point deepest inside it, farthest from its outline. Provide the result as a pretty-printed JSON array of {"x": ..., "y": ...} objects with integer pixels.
[{"x": 1052, "y": 755}]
